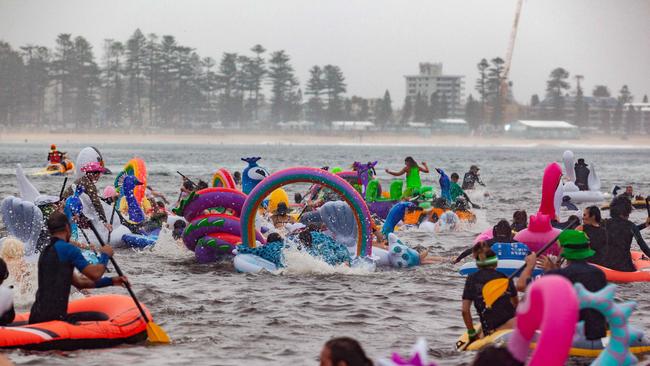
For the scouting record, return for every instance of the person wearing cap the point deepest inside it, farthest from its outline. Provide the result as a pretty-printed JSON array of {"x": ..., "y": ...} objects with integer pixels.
[
  {"x": 281, "y": 216},
  {"x": 56, "y": 265},
  {"x": 502, "y": 312},
  {"x": 576, "y": 250},
  {"x": 582, "y": 175},
  {"x": 92, "y": 172},
  {"x": 472, "y": 177}
]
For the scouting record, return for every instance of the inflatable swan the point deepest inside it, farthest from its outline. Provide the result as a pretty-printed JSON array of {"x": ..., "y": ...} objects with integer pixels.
[
  {"x": 23, "y": 220},
  {"x": 570, "y": 189}
]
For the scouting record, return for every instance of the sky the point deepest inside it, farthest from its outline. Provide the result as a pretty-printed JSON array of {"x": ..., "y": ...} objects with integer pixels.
[{"x": 375, "y": 42}]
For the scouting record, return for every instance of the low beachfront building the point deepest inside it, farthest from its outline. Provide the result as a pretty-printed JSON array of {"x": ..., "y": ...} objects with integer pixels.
[
  {"x": 450, "y": 125},
  {"x": 542, "y": 129}
]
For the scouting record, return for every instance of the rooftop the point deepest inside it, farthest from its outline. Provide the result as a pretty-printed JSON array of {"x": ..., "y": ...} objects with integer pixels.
[{"x": 547, "y": 124}]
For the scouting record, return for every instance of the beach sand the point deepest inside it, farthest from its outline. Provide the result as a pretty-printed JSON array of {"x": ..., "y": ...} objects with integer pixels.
[{"x": 321, "y": 138}]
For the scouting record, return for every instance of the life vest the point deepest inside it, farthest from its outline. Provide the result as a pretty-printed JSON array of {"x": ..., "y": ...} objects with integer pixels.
[{"x": 54, "y": 281}]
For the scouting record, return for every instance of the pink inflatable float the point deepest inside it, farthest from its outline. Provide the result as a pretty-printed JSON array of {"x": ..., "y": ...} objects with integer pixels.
[
  {"x": 539, "y": 233},
  {"x": 551, "y": 305}
]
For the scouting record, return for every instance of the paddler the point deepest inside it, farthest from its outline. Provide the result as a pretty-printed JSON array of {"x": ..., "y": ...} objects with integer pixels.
[
  {"x": 577, "y": 251},
  {"x": 56, "y": 265},
  {"x": 502, "y": 312},
  {"x": 412, "y": 171},
  {"x": 56, "y": 157}
]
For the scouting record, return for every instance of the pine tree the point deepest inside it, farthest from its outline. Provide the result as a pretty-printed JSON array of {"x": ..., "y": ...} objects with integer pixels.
[
  {"x": 283, "y": 85},
  {"x": 258, "y": 72},
  {"x": 385, "y": 110},
  {"x": 482, "y": 86},
  {"x": 113, "y": 98},
  {"x": 228, "y": 80},
  {"x": 334, "y": 85},
  {"x": 555, "y": 88},
  {"x": 315, "y": 87},
  {"x": 495, "y": 80},
  {"x": 420, "y": 108},
  {"x": 11, "y": 84},
  {"x": 134, "y": 71},
  {"x": 62, "y": 69},
  {"x": 37, "y": 79},
  {"x": 624, "y": 95},
  {"x": 407, "y": 110}
]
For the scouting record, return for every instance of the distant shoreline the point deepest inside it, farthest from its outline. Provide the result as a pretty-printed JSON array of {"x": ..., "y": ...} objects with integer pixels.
[{"x": 215, "y": 137}]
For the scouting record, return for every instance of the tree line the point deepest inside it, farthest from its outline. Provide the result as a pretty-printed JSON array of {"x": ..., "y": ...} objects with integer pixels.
[{"x": 153, "y": 81}]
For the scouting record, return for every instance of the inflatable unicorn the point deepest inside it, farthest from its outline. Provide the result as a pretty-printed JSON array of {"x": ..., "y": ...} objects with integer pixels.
[
  {"x": 252, "y": 174},
  {"x": 363, "y": 173}
]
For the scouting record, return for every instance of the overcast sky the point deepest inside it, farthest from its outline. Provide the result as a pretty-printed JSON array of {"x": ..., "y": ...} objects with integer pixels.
[{"x": 375, "y": 42}]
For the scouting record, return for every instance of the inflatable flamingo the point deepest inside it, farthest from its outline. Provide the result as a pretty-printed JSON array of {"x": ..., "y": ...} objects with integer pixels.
[
  {"x": 551, "y": 305},
  {"x": 552, "y": 191},
  {"x": 538, "y": 233}
]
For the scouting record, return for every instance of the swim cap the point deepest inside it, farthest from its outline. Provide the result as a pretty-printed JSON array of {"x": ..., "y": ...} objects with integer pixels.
[{"x": 93, "y": 167}]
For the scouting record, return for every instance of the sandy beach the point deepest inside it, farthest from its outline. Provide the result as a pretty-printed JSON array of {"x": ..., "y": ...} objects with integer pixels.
[{"x": 320, "y": 138}]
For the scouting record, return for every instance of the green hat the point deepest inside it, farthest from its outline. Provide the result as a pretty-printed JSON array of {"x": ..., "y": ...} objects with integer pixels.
[{"x": 575, "y": 245}]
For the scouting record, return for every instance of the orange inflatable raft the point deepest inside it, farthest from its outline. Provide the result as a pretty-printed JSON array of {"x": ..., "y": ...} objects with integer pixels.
[
  {"x": 95, "y": 322},
  {"x": 413, "y": 217},
  {"x": 642, "y": 274}
]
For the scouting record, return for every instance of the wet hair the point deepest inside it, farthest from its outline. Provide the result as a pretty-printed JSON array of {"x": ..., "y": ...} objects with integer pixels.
[
  {"x": 454, "y": 176},
  {"x": 621, "y": 206},
  {"x": 482, "y": 251},
  {"x": 57, "y": 222},
  {"x": 519, "y": 220},
  {"x": 594, "y": 212},
  {"x": 201, "y": 185},
  {"x": 575, "y": 222},
  {"x": 297, "y": 197},
  {"x": 273, "y": 237},
  {"x": 348, "y": 350},
  {"x": 305, "y": 238},
  {"x": 410, "y": 161},
  {"x": 188, "y": 185},
  {"x": 502, "y": 229},
  {"x": 236, "y": 177},
  {"x": 179, "y": 227},
  {"x": 4, "y": 272},
  {"x": 492, "y": 355}
]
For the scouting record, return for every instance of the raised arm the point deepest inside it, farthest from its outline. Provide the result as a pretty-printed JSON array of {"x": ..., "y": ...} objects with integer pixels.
[
  {"x": 424, "y": 168},
  {"x": 397, "y": 174}
]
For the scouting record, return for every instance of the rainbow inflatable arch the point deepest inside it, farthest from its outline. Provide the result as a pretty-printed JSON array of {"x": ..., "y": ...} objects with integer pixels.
[
  {"x": 314, "y": 176},
  {"x": 223, "y": 178}
]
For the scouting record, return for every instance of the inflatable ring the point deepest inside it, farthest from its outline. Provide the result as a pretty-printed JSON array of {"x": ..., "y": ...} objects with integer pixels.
[
  {"x": 223, "y": 178},
  {"x": 314, "y": 176},
  {"x": 197, "y": 202}
]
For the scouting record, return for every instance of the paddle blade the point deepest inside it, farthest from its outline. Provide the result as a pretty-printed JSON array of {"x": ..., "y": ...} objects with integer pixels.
[
  {"x": 493, "y": 290},
  {"x": 155, "y": 334}
]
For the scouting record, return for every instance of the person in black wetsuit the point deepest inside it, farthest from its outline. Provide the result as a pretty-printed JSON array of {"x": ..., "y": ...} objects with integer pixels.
[
  {"x": 576, "y": 249},
  {"x": 56, "y": 265},
  {"x": 501, "y": 233},
  {"x": 592, "y": 226},
  {"x": 7, "y": 312},
  {"x": 620, "y": 232},
  {"x": 471, "y": 178},
  {"x": 502, "y": 311},
  {"x": 582, "y": 175}
]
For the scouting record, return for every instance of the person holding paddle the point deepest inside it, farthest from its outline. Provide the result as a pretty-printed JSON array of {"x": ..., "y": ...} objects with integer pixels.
[
  {"x": 499, "y": 314},
  {"x": 576, "y": 250},
  {"x": 56, "y": 265}
]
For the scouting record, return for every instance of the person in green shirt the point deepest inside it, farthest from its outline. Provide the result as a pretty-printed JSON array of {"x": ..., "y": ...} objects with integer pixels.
[
  {"x": 412, "y": 171},
  {"x": 455, "y": 190}
]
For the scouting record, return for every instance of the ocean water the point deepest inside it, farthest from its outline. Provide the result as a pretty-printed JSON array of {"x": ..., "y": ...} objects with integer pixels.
[{"x": 218, "y": 317}]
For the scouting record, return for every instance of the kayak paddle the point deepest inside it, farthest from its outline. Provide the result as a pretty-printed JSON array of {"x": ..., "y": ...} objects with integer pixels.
[
  {"x": 494, "y": 289},
  {"x": 65, "y": 181},
  {"x": 155, "y": 333}
]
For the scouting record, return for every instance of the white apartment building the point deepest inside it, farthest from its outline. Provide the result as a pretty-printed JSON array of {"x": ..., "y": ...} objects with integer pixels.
[{"x": 431, "y": 80}]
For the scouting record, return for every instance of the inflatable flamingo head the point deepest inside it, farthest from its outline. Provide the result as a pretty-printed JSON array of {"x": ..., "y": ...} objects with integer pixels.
[
  {"x": 252, "y": 174},
  {"x": 539, "y": 233},
  {"x": 418, "y": 357},
  {"x": 550, "y": 204}
]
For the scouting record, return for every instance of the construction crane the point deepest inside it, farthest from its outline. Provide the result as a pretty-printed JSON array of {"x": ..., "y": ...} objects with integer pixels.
[{"x": 505, "y": 85}]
